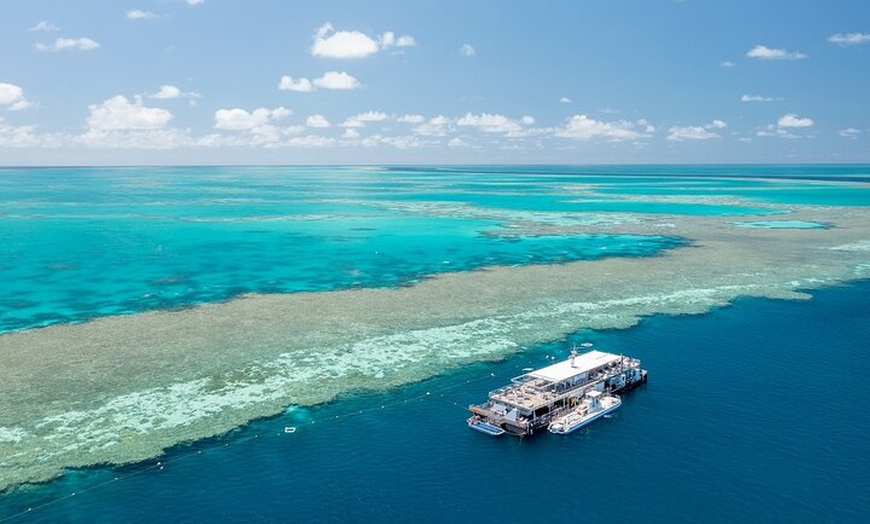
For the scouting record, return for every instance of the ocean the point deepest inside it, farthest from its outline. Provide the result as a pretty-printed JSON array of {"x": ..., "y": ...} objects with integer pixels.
[{"x": 165, "y": 329}]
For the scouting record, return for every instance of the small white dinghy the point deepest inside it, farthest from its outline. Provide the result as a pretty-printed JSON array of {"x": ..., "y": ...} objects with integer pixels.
[{"x": 592, "y": 406}]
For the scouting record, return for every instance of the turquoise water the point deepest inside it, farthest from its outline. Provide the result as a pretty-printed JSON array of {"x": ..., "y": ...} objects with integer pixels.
[
  {"x": 753, "y": 412},
  {"x": 82, "y": 243}
]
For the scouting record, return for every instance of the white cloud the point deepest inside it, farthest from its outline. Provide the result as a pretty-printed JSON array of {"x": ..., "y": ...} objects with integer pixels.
[
  {"x": 705, "y": 132},
  {"x": 312, "y": 141},
  {"x": 399, "y": 142},
  {"x": 303, "y": 85},
  {"x": 410, "y": 119},
  {"x": 193, "y": 2},
  {"x": 317, "y": 121},
  {"x": 329, "y": 80},
  {"x": 69, "y": 44},
  {"x": 849, "y": 39},
  {"x": 330, "y": 43},
  {"x": 690, "y": 133},
  {"x": 350, "y": 133},
  {"x": 118, "y": 113},
  {"x": 138, "y": 14},
  {"x": 468, "y": 50},
  {"x": 457, "y": 142},
  {"x": 167, "y": 92},
  {"x": 565, "y": 100},
  {"x": 361, "y": 119},
  {"x": 12, "y": 96},
  {"x": 727, "y": 64},
  {"x": 489, "y": 123},
  {"x": 170, "y": 92},
  {"x": 584, "y": 128},
  {"x": 757, "y": 98},
  {"x": 850, "y": 132},
  {"x": 436, "y": 126},
  {"x": 44, "y": 25},
  {"x": 25, "y": 136},
  {"x": 527, "y": 120},
  {"x": 766, "y": 53},
  {"x": 791, "y": 120},
  {"x": 389, "y": 39},
  {"x": 162, "y": 138},
  {"x": 241, "y": 120},
  {"x": 647, "y": 126},
  {"x": 336, "y": 80}
]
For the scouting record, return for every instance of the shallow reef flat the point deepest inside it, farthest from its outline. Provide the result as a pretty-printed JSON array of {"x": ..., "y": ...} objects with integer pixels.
[{"x": 123, "y": 388}]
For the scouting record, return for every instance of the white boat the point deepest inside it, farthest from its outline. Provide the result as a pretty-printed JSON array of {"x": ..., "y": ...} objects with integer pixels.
[
  {"x": 534, "y": 399},
  {"x": 591, "y": 407},
  {"x": 479, "y": 424}
]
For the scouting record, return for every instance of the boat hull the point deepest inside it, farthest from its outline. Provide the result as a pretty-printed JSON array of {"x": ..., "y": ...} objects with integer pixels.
[
  {"x": 564, "y": 428},
  {"x": 485, "y": 427}
]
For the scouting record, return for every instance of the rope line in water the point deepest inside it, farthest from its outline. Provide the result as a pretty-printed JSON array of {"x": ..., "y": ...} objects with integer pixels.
[{"x": 159, "y": 465}]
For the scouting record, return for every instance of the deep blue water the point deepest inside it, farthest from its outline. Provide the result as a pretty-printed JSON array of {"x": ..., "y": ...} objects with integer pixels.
[{"x": 753, "y": 413}]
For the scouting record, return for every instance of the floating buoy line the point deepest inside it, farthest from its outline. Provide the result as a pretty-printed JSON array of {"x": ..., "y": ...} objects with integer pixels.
[{"x": 165, "y": 462}]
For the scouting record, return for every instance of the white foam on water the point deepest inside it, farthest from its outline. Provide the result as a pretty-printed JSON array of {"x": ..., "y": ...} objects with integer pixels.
[
  {"x": 15, "y": 434},
  {"x": 861, "y": 245}
]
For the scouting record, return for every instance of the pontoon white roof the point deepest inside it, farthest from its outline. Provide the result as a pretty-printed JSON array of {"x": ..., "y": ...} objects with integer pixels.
[{"x": 582, "y": 363}]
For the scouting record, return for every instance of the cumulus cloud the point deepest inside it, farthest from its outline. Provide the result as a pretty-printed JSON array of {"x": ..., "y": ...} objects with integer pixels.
[
  {"x": 727, "y": 64},
  {"x": 757, "y": 98},
  {"x": 489, "y": 123},
  {"x": 336, "y": 80},
  {"x": 329, "y": 43},
  {"x": 565, "y": 100},
  {"x": 761, "y": 52},
  {"x": 167, "y": 92},
  {"x": 705, "y": 132},
  {"x": 25, "y": 136},
  {"x": 303, "y": 85},
  {"x": 69, "y": 44},
  {"x": 690, "y": 133},
  {"x": 791, "y": 120},
  {"x": 45, "y": 25},
  {"x": 317, "y": 121},
  {"x": 849, "y": 39},
  {"x": 330, "y": 80},
  {"x": 119, "y": 113},
  {"x": 162, "y": 138},
  {"x": 138, "y": 14},
  {"x": 785, "y": 126},
  {"x": 361, "y": 119},
  {"x": 435, "y": 126},
  {"x": 410, "y": 119},
  {"x": 170, "y": 92},
  {"x": 468, "y": 50},
  {"x": 849, "y": 132},
  {"x": 241, "y": 120},
  {"x": 582, "y": 127},
  {"x": 12, "y": 97}
]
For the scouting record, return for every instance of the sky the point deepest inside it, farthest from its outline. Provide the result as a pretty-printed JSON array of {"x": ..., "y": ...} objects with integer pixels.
[{"x": 175, "y": 82}]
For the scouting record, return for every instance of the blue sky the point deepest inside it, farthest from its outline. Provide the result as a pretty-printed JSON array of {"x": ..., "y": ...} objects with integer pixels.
[{"x": 581, "y": 81}]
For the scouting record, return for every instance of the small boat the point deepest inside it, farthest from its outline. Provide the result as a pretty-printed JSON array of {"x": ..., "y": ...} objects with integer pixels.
[
  {"x": 478, "y": 424},
  {"x": 592, "y": 406}
]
